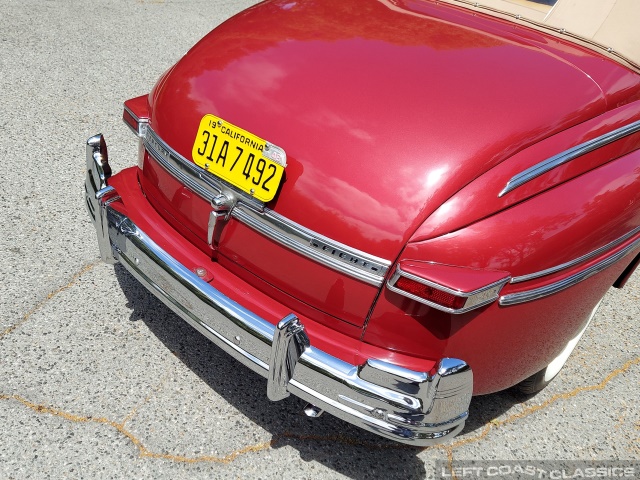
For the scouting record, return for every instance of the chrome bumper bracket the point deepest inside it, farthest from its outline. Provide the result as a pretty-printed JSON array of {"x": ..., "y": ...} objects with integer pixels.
[
  {"x": 289, "y": 343},
  {"x": 98, "y": 194}
]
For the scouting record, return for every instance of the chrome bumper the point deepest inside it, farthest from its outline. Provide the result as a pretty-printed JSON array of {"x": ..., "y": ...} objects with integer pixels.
[{"x": 404, "y": 405}]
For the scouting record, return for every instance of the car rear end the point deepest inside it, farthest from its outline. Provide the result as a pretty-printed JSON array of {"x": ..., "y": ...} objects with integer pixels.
[{"x": 363, "y": 238}]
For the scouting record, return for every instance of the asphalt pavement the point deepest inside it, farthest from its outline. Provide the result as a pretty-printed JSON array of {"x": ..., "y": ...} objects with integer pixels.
[{"x": 99, "y": 380}]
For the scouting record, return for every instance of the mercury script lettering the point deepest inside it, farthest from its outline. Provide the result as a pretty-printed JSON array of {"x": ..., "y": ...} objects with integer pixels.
[{"x": 344, "y": 256}]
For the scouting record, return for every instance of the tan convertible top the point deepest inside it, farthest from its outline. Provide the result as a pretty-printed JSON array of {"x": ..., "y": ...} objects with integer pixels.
[{"x": 611, "y": 26}]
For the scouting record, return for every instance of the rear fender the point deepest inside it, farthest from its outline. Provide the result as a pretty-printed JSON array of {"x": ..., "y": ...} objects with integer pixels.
[{"x": 506, "y": 343}]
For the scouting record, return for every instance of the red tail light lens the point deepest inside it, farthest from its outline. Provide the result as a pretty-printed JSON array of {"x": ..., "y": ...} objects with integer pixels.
[
  {"x": 429, "y": 293},
  {"x": 136, "y": 115},
  {"x": 445, "y": 287},
  {"x": 132, "y": 122}
]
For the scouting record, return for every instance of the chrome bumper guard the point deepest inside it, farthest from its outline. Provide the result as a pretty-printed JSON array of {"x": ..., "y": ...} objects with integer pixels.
[{"x": 392, "y": 401}]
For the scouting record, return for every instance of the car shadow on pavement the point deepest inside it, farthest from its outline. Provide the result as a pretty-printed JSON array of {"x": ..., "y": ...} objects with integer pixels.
[
  {"x": 485, "y": 408},
  {"x": 334, "y": 443}
]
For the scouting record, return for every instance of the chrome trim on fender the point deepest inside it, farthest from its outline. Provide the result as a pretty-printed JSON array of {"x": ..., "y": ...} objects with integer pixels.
[
  {"x": 476, "y": 299},
  {"x": 568, "y": 155},
  {"x": 572, "y": 263},
  {"x": 541, "y": 292},
  {"x": 350, "y": 261},
  {"x": 404, "y": 405}
]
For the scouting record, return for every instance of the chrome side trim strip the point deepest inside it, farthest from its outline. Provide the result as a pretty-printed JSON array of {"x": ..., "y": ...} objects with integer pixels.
[
  {"x": 185, "y": 172},
  {"x": 541, "y": 292},
  {"x": 595, "y": 253},
  {"x": 568, "y": 155},
  {"x": 476, "y": 299},
  {"x": 342, "y": 258},
  {"x": 350, "y": 261}
]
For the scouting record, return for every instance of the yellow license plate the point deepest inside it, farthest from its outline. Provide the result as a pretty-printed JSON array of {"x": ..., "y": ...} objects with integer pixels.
[{"x": 244, "y": 160}]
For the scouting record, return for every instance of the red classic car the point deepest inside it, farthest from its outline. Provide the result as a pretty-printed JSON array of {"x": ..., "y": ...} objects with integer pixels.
[{"x": 385, "y": 207}]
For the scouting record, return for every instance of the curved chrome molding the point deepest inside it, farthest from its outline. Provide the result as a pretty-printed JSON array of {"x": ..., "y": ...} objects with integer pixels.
[
  {"x": 536, "y": 293},
  {"x": 347, "y": 260},
  {"x": 572, "y": 263},
  {"x": 186, "y": 172},
  {"x": 476, "y": 299},
  {"x": 350, "y": 261},
  {"x": 568, "y": 155}
]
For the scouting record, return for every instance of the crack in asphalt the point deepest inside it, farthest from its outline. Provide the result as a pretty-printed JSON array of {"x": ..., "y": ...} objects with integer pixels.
[
  {"x": 45, "y": 300},
  {"x": 144, "y": 452},
  {"x": 120, "y": 427},
  {"x": 495, "y": 423}
]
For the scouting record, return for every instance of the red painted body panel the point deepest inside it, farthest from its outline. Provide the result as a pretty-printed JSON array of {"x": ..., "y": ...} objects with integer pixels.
[
  {"x": 503, "y": 345},
  {"x": 550, "y": 229},
  {"x": 180, "y": 207},
  {"x": 139, "y": 106},
  {"x": 293, "y": 304},
  {"x": 308, "y": 282}
]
